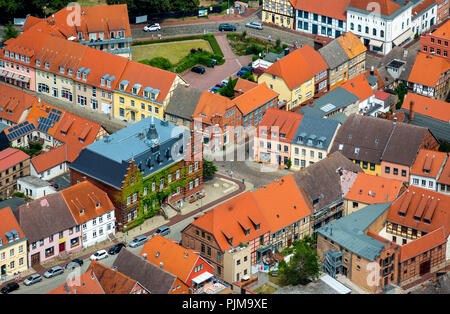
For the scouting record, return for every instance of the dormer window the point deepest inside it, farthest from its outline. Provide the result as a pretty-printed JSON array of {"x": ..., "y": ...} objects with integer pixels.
[
  {"x": 27, "y": 59},
  {"x": 134, "y": 90},
  {"x": 17, "y": 56},
  {"x": 103, "y": 81},
  {"x": 97, "y": 205},
  {"x": 122, "y": 87},
  {"x": 80, "y": 36},
  {"x": 145, "y": 94},
  {"x": 70, "y": 72},
  {"x": 22, "y": 58},
  {"x": 38, "y": 62},
  {"x": 7, "y": 54},
  {"x": 47, "y": 65},
  {"x": 61, "y": 69},
  {"x": 78, "y": 74},
  {"x": 84, "y": 76},
  {"x": 108, "y": 84},
  {"x": 356, "y": 150},
  {"x": 153, "y": 96},
  {"x": 257, "y": 226}
]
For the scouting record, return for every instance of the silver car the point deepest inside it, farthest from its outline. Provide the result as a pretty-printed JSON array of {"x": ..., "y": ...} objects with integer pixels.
[
  {"x": 139, "y": 240},
  {"x": 254, "y": 25},
  {"x": 32, "y": 279},
  {"x": 54, "y": 271}
]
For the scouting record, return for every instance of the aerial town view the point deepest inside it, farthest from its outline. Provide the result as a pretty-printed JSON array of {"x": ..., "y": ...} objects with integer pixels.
[{"x": 241, "y": 149}]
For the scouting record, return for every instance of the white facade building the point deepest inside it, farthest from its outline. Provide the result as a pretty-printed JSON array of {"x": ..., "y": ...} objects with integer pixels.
[
  {"x": 34, "y": 187},
  {"x": 98, "y": 229},
  {"x": 423, "y": 20},
  {"x": 379, "y": 31},
  {"x": 317, "y": 24}
]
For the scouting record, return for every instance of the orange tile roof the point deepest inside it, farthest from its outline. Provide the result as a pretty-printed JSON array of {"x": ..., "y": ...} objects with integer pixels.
[
  {"x": 147, "y": 76},
  {"x": 77, "y": 133},
  {"x": 333, "y": 8},
  {"x": 30, "y": 22},
  {"x": 305, "y": 58},
  {"x": 382, "y": 190},
  {"x": 13, "y": 103},
  {"x": 351, "y": 44},
  {"x": 88, "y": 284},
  {"x": 226, "y": 219},
  {"x": 43, "y": 110},
  {"x": 210, "y": 105},
  {"x": 46, "y": 160},
  {"x": 282, "y": 203},
  {"x": 82, "y": 200},
  {"x": 429, "y": 160},
  {"x": 430, "y": 205},
  {"x": 422, "y": 6},
  {"x": 8, "y": 222},
  {"x": 286, "y": 121},
  {"x": 443, "y": 31},
  {"x": 359, "y": 87},
  {"x": 244, "y": 85},
  {"x": 387, "y": 7},
  {"x": 444, "y": 178},
  {"x": 176, "y": 259},
  {"x": 254, "y": 98},
  {"x": 112, "y": 281},
  {"x": 10, "y": 157},
  {"x": 430, "y": 107},
  {"x": 428, "y": 69},
  {"x": 423, "y": 244}
]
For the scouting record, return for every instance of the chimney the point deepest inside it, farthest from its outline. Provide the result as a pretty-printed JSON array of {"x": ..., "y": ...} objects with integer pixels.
[
  {"x": 411, "y": 110},
  {"x": 144, "y": 256},
  {"x": 161, "y": 264},
  {"x": 372, "y": 70}
]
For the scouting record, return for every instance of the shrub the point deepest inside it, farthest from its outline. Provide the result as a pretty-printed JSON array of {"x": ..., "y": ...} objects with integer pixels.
[
  {"x": 159, "y": 62},
  {"x": 253, "y": 49}
]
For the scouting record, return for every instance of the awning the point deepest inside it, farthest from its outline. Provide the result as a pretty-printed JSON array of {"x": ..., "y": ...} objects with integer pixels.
[
  {"x": 403, "y": 37},
  {"x": 376, "y": 43},
  {"x": 4, "y": 73},
  {"x": 10, "y": 74},
  {"x": 203, "y": 277}
]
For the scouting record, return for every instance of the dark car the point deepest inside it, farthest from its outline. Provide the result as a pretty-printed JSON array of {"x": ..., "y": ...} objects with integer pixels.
[
  {"x": 116, "y": 249},
  {"x": 227, "y": 27},
  {"x": 75, "y": 263},
  {"x": 247, "y": 68},
  {"x": 10, "y": 287},
  {"x": 198, "y": 69}
]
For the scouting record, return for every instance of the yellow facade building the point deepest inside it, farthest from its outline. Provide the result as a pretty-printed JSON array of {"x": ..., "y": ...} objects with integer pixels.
[
  {"x": 278, "y": 12},
  {"x": 143, "y": 91},
  {"x": 13, "y": 245},
  {"x": 294, "y": 77}
]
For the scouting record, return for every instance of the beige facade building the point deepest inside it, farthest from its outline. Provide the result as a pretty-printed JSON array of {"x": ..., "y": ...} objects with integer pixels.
[
  {"x": 15, "y": 164},
  {"x": 236, "y": 263}
]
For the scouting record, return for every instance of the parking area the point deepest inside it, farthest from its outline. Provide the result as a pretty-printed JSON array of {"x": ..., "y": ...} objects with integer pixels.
[{"x": 212, "y": 76}]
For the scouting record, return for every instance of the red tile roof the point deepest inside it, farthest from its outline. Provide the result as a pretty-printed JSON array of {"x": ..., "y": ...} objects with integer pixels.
[
  {"x": 305, "y": 58},
  {"x": 254, "y": 98},
  {"x": 226, "y": 220},
  {"x": 210, "y": 105},
  {"x": 422, "y": 6},
  {"x": 382, "y": 190},
  {"x": 282, "y": 203},
  {"x": 428, "y": 69},
  {"x": 333, "y": 8},
  {"x": 444, "y": 178},
  {"x": 13, "y": 103},
  {"x": 244, "y": 85},
  {"x": 423, "y": 244},
  {"x": 359, "y": 87},
  {"x": 443, "y": 31},
  {"x": 82, "y": 200},
  {"x": 386, "y": 7},
  {"x": 382, "y": 95},
  {"x": 87, "y": 283},
  {"x": 176, "y": 259},
  {"x": 432, "y": 210},
  {"x": 46, "y": 160},
  {"x": 430, "y": 107},
  {"x": 112, "y": 281},
  {"x": 352, "y": 45},
  {"x": 286, "y": 121},
  {"x": 430, "y": 161},
  {"x": 7, "y": 223},
  {"x": 10, "y": 157}
]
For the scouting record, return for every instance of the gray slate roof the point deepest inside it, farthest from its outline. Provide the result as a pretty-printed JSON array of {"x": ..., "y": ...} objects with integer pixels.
[
  {"x": 334, "y": 54},
  {"x": 331, "y": 102},
  {"x": 184, "y": 101},
  {"x": 323, "y": 130},
  {"x": 3, "y": 126},
  {"x": 440, "y": 129},
  {"x": 35, "y": 181},
  {"x": 348, "y": 231},
  {"x": 153, "y": 278},
  {"x": 12, "y": 202},
  {"x": 397, "y": 53},
  {"x": 322, "y": 181},
  {"x": 43, "y": 217}
]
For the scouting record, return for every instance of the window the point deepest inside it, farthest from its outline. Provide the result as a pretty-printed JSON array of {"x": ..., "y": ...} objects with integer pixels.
[
  {"x": 403, "y": 173},
  {"x": 395, "y": 171},
  {"x": 387, "y": 169}
]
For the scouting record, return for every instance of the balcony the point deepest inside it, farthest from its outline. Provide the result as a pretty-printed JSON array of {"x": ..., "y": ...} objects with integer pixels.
[
  {"x": 105, "y": 41},
  {"x": 118, "y": 51},
  {"x": 211, "y": 286}
]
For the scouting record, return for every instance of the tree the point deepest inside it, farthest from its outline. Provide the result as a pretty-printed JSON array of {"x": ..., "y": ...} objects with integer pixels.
[
  {"x": 303, "y": 267},
  {"x": 289, "y": 163},
  {"x": 401, "y": 91},
  {"x": 228, "y": 90},
  {"x": 209, "y": 169},
  {"x": 10, "y": 32}
]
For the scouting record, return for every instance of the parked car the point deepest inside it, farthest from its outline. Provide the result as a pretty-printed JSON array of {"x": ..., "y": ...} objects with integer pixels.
[
  {"x": 139, "y": 240},
  {"x": 74, "y": 263},
  {"x": 241, "y": 72},
  {"x": 227, "y": 27},
  {"x": 152, "y": 28},
  {"x": 198, "y": 69},
  {"x": 54, "y": 271},
  {"x": 224, "y": 82},
  {"x": 54, "y": 184},
  {"x": 32, "y": 279},
  {"x": 219, "y": 85},
  {"x": 99, "y": 255},
  {"x": 163, "y": 231},
  {"x": 116, "y": 249},
  {"x": 10, "y": 287},
  {"x": 254, "y": 25},
  {"x": 214, "y": 89},
  {"x": 247, "y": 68}
]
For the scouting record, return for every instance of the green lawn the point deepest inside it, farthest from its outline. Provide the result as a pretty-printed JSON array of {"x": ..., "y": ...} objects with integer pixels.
[
  {"x": 91, "y": 3},
  {"x": 265, "y": 289},
  {"x": 174, "y": 51}
]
